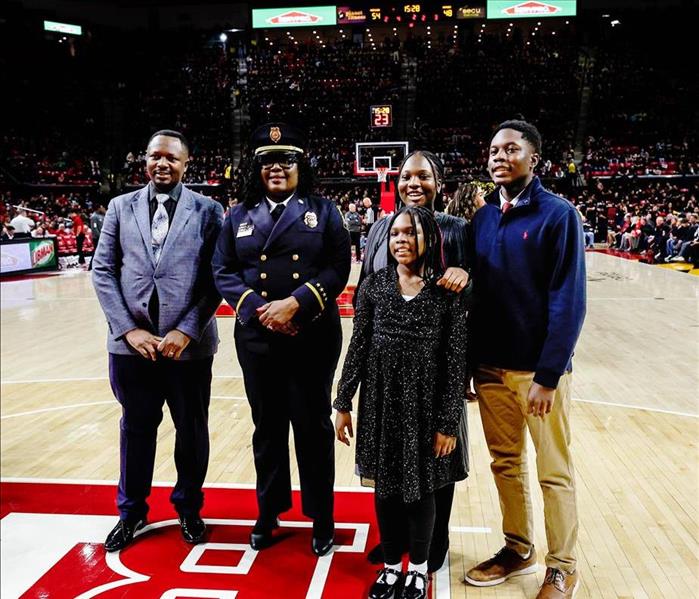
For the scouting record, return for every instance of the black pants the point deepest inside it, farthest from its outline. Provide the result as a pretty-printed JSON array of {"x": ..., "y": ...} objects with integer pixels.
[
  {"x": 79, "y": 242},
  {"x": 395, "y": 517},
  {"x": 288, "y": 381},
  {"x": 355, "y": 239},
  {"x": 142, "y": 387}
]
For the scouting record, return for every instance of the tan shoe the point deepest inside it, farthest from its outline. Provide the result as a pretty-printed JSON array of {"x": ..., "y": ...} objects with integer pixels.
[
  {"x": 505, "y": 564},
  {"x": 559, "y": 585}
]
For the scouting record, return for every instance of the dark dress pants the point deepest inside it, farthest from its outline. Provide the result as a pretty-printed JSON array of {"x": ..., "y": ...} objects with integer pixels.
[
  {"x": 142, "y": 387},
  {"x": 288, "y": 381}
]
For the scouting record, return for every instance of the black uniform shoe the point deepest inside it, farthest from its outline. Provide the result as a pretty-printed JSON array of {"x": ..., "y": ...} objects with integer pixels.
[
  {"x": 321, "y": 546},
  {"x": 193, "y": 529},
  {"x": 261, "y": 535},
  {"x": 122, "y": 534},
  {"x": 411, "y": 590},
  {"x": 381, "y": 589}
]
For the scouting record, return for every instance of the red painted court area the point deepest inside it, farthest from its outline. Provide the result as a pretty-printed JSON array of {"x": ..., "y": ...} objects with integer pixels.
[{"x": 52, "y": 535}]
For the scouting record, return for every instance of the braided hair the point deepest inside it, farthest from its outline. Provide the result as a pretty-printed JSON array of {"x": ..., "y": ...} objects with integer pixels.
[{"x": 431, "y": 262}]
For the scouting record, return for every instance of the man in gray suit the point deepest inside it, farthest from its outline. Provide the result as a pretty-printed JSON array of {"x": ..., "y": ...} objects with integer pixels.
[{"x": 152, "y": 275}]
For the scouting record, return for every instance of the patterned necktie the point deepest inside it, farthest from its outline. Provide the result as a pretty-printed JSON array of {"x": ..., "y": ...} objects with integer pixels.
[
  {"x": 277, "y": 212},
  {"x": 506, "y": 206},
  {"x": 159, "y": 226}
]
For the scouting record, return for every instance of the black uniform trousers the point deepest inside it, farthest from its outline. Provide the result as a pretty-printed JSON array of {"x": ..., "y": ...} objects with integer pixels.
[{"x": 288, "y": 380}]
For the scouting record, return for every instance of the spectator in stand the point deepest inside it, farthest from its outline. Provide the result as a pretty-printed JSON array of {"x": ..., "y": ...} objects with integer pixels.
[
  {"x": 589, "y": 233},
  {"x": 689, "y": 238},
  {"x": 468, "y": 198},
  {"x": 22, "y": 224},
  {"x": 680, "y": 235},
  {"x": 40, "y": 232},
  {"x": 8, "y": 232},
  {"x": 353, "y": 222},
  {"x": 657, "y": 241}
]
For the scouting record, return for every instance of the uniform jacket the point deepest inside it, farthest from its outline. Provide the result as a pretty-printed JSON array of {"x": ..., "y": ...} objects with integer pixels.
[
  {"x": 305, "y": 254},
  {"x": 125, "y": 274}
]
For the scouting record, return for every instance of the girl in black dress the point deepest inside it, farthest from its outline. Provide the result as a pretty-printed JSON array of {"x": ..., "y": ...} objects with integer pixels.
[{"x": 408, "y": 352}]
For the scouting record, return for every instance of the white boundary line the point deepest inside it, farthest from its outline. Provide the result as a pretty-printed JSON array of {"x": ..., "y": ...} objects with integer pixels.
[
  {"x": 244, "y": 398},
  {"x": 622, "y": 405},
  {"x": 57, "y": 408}
]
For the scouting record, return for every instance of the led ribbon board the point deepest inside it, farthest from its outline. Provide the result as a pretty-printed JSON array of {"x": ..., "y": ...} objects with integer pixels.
[
  {"x": 305, "y": 16},
  {"x": 511, "y": 9},
  {"x": 63, "y": 28}
]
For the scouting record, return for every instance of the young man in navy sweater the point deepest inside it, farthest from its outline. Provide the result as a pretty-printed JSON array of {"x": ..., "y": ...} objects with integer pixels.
[{"x": 529, "y": 284}]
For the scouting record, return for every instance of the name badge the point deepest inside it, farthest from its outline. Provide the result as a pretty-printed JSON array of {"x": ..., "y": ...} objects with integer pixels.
[{"x": 245, "y": 230}]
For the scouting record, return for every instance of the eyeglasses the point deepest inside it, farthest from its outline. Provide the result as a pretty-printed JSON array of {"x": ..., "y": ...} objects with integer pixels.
[{"x": 285, "y": 160}]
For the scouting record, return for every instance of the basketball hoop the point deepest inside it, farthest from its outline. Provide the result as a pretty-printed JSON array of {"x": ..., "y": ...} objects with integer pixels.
[{"x": 381, "y": 173}]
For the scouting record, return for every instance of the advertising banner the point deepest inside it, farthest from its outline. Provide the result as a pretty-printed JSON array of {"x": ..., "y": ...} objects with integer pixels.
[
  {"x": 63, "y": 28},
  {"x": 470, "y": 12},
  {"x": 14, "y": 257},
  {"x": 305, "y": 16},
  {"x": 43, "y": 253},
  {"x": 28, "y": 255},
  {"x": 509, "y": 9},
  {"x": 347, "y": 15}
]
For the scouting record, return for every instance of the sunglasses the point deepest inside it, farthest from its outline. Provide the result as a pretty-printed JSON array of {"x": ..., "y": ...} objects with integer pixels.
[{"x": 284, "y": 159}]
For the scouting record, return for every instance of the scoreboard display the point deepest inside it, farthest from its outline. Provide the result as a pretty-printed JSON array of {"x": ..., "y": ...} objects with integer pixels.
[
  {"x": 406, "y": 12},
  {"x": 381, "y": 115},
  {"x": 434, "y": 11}
]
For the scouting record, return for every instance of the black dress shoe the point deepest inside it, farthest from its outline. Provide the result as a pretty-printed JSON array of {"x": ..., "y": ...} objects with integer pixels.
[
  {"x": 321, "y": 546},
  {"x": 193, "y": 529},
  {"x": 261, "y": 536},
  {"x": 122, "y": 534},
  {"x": 382, "y": 589},
  {"x": 411, "y": 590}
]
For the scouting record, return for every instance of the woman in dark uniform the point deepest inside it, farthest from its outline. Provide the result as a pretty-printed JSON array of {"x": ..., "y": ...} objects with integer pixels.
[
  {"x": 282, "y": 259},
  {"x": 420, "y": 183}
]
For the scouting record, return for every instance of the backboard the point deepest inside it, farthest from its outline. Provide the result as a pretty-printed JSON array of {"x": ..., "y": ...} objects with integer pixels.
[{"x": 373, "y": 155}]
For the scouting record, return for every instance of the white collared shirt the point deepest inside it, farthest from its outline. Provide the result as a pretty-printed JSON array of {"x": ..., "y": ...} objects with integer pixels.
[
  {"x": 272, "y": 205},
  {"x": 514, "y": 201}
]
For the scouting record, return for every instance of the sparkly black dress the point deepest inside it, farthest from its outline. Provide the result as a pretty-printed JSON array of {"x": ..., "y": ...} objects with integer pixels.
[{"x": 410, "y": 358}]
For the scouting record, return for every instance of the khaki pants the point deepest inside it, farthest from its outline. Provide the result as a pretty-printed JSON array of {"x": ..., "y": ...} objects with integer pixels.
[{"x": 503, "y": 406}]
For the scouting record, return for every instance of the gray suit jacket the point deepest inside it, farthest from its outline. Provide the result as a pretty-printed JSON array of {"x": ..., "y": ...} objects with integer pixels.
[{"x": 124, "y": 272}]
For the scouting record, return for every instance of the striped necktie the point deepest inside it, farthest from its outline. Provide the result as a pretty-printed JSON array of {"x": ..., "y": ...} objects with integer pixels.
[{"x": 159, "y": 226}]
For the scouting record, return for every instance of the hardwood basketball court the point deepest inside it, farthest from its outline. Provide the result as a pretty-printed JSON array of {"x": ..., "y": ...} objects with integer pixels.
[{"x": 635, "y": 426}]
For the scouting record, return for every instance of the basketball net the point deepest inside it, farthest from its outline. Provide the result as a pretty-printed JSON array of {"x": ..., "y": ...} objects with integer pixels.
[{"x": 381, "y": 173}]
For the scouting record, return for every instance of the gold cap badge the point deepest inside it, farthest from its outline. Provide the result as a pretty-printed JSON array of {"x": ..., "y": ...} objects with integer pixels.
[{"x": 275, "y": 134}]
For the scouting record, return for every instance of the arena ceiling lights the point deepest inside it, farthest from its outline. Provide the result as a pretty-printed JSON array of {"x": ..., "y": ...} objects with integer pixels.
[
  {"x": 514, "y": 9},
  {"x": 302, "y": 16}
]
